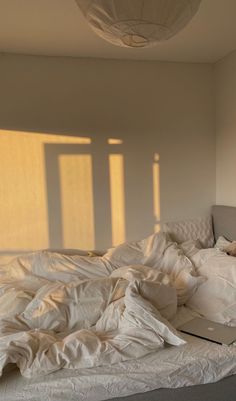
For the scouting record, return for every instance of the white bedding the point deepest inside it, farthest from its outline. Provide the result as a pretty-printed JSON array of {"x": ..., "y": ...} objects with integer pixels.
[
  {"x": 196, "y": 362},
  {"x": 61, "y": 311},
  {"x": 107, "y": 321},
  {"x": 215, "y": 299}
]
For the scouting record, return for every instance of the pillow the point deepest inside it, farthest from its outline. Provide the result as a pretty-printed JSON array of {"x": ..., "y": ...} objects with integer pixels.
[
  {"x": 226, "y": 246},
  {"x": 200, "y": 228},
  {"x": 215, "y": 299},
  {"x": 222, "y": 243}
]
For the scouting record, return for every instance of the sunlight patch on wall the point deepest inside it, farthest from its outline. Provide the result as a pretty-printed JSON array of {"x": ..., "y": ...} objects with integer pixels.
[
  {"x": 116, "y": 168},
  {"x": 77, "y": 201},
  {"x": 23, "y": 197},
  {"x": 156, "y": 192},
  {"x": 66, "y": 139},
  {"x": 114, "y": 141}
]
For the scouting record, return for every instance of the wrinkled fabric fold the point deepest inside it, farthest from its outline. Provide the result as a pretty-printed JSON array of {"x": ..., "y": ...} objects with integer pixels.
[
  {"x": 140, "y": 329},
  {"x": 73, "y": 311}
]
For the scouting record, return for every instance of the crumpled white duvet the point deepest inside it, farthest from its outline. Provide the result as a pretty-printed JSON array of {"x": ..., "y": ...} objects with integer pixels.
[
  {"x": 196, "y": 362},
  {"x": 76, "y": 312},
  {"x": 111, "y": 314},
  {"x": 129, "y": 329}
]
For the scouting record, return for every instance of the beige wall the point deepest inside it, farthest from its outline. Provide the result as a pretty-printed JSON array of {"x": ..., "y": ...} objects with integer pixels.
[
  {"x": 163, "y": 116},
  {"x": 225, "y": 79}
]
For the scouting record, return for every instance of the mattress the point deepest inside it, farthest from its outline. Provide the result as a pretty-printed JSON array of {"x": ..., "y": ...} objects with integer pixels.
[
  {"x": 222, "y": 390},
  {"x": 194, "y": 363}
]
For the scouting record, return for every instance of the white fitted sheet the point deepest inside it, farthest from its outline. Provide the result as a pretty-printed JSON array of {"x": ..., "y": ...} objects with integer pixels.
[{"x": 196, "y": 362}]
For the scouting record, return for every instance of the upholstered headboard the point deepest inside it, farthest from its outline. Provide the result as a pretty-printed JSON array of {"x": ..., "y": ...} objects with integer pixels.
[{"x": 224, "y": 221}]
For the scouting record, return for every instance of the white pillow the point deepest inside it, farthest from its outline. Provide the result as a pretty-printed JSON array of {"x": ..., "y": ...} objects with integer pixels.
[
  {"x": 226, "y": 246},
  {"x": 222, "y": 243},
  {"x": 200, "y": 228},
  {"x": 216, "y": 297}
]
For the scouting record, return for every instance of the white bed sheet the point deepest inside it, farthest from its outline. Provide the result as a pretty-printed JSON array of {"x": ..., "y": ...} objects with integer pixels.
[{"x": 196, "y": 362}]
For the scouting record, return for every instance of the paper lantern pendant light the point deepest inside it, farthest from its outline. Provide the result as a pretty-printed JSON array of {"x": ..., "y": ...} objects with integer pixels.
[{"x": 138, "y": 23}]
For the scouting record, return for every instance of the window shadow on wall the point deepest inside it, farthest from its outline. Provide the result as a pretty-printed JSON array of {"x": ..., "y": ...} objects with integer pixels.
[
  {"x": 90, "y": 194},
  {"x": 61, "y": 191}
]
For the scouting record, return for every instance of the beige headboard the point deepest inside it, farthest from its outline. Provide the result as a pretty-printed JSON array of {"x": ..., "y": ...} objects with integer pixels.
[{"x": 224, "y": 221}]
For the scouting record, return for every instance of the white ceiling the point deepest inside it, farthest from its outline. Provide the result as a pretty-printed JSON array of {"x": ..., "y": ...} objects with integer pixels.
[{"x": 57, "y": 28}]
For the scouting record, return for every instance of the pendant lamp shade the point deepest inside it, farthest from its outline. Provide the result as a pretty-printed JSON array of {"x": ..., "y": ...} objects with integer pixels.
[{"x": 138, "y": 23}]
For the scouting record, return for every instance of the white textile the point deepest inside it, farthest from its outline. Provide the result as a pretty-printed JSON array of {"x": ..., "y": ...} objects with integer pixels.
[
  {"x": 71, "y": 312},
  {"x": 216, "y": 297},
  {"x": 196, "y": 362}
]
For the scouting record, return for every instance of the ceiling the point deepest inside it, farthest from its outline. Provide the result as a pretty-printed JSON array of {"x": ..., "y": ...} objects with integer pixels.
[{"x": 57, "y": 28}]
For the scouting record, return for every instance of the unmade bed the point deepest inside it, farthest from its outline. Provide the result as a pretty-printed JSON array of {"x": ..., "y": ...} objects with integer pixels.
[
  {"x": 146, "y": 378},
  {"x": 198, "y": 362}
]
